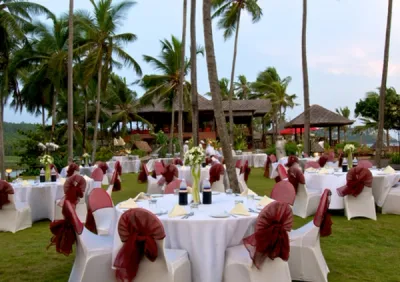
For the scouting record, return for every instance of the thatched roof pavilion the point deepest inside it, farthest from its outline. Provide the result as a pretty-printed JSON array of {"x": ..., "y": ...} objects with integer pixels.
[{"x": 321, "y": 117}]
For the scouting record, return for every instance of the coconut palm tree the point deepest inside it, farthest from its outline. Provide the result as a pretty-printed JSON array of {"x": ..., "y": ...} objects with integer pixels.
[
  {"x": 229, "y": 12},
  {"x": 163, "y": 87},
  {"x": 382, "y": 91},
  {"x": 216, "y": 96},
  {"x": 242, "y": 88},
  {"x": 70, "y": 81},
  {"x": 193, "y": 73},
  {"x": 101, "y": 44},
  {"x": 344, "y": 112},
  {"x": 224, "y": 89},
  {"x": 306, "y": 92}
]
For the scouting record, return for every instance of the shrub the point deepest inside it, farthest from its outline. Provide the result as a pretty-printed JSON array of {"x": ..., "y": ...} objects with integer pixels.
[
  {"x": 291, "y": 148},
  {"x": 138, "y": 152},
  {"x": 271, "y": 150},
  {"x": 341, "y": 145},
  {"x": 104, "y": 154},
  {"x": 395, "y": 159}
]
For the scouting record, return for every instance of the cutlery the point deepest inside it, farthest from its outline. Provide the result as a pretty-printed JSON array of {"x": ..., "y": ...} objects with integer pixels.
[
  {"x": 235, "y": 216},
  {"x": 189, "y": 215},
  {"x": 253, "y": 211}
]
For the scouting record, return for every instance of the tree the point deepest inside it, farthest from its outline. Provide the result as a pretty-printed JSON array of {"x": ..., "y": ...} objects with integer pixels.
[
  {"x": 163, "y": 87},
  {"x": 344, "y": 112},
  {"x": 230, "y": 13},
  {"x": 242, "y": 88},
  {"x": 224, "y": 89},
  {"x": 181, "y": 80},
  {"x": 382, "y": 91},
  {"x": 100, "y": 42},
  {"x": 193, "y": 73},
  {"x": 216, "y": 96},
  {"x": 70, "y": 81},
  {"x": 306, "y": 92}
]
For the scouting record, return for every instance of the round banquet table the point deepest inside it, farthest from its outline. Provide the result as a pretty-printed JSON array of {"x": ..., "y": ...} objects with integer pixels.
[
  {"x": 83, "y": 170},
  {"x": 259, "y": 160},
  {"x": 245, "y": 156},
  {"x": 41, "y": 197},
  {"x": 381, "y": 185},
  {"x": 203, "y": 237}
]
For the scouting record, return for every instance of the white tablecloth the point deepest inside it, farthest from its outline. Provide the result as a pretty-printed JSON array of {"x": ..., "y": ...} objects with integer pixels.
[
  {"x": 128, "y": 166},
  {"x": 244, "y": 157},
  {"x": 381, "y": 185},
  {"x": 203, "y": 237},
  {"x": 259, "y": 160},
  {"x": 41, "y": 198},
  {"x": 82, "y": 170}
]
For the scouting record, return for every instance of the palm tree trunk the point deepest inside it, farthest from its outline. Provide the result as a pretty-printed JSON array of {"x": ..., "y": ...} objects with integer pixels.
[
  {"x": 2, "y": 169},
  {"x": 181, "y": 80},
  {"x": 193, "y": 73},
  {"x": 382, "y": 90},
  {"x": 305, "y": 81},
  {"x": 70, "y": 82},
  {"x": 171, "y": 135},
  {"x": 96, "y": 122},
  {"x": 230, "y": 97},
  {"x": 43, "y": 118},
  {"x": 85, "y": 131},
  {"x": 53, "y": 114},
  {"x": 387, "y": 138},
  {"x": 216, "y": 96}
]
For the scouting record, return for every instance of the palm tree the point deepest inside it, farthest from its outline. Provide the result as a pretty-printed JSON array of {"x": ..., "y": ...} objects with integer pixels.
[
  {"x": 216, "y": 96},
  {"x": 15, "y": 20},
  {"x": 230, "y": 12},
  {"x": 181, "y": 80},
  {"x": 305, "y": 81},
  {"x": 242, "y": 88},
  {"x": 382, "y": 91},
  {"x": 224, "y": 89},
  {"x": 193, "y": 73},
  {"x": 344, "y": 112},
  {"x": 70, "y": 81},
  {"x": 100, "y": 43},
  {"x": 163, "y": 87}
]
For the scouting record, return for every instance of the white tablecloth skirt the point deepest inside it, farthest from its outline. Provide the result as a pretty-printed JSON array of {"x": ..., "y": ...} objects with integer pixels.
[
  {"x": 259, "y": 160},
  {"x": 203, "y": 237},
  {"x": 151, "y": 162},
  {"x": 82, "y": 170},
  {"x": 129, "y": 166}
]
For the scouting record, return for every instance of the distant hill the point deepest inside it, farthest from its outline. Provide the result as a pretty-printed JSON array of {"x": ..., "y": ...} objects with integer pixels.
[
  {"x": 11, "y": 135},
  {"x": 365, "y": 138}
]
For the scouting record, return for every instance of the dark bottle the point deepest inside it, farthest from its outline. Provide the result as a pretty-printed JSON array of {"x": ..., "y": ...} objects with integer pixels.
[
  {"x": 183, "y": 193},
  {"x": 53, "y": 175},
  {"x": 344, "y": 166},
  {"x": 207, "y": 193},
  {"x": 42, "y": 176}
]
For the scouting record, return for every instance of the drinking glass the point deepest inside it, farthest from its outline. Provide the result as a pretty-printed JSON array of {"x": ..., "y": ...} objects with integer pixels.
[
  {"x": 194, "y": 207},
  {"x": 176, "y": 192},
  {"x": 153, "y": 205},
  {"x": 229, "y": 191},
  {"x": 238, "y": 202},
  {"x": 250, "y": 200}
]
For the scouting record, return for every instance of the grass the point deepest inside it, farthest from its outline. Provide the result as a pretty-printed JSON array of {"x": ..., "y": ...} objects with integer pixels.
[{"x": 358, "y": 250}]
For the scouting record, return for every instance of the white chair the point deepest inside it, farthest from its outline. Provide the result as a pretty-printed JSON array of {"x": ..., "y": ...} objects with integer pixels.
[
  {"x": 392, "y": 202},
  {"x": 15, "y": 216},
  {"x": 152, "y": 185},
  {"x": 218, "y": 186},
  {"x": 110, "y": 189},
  {"x": 102, "y": 209},
  {"x": 361, "y": 206},
  {"x": 306, "y": 202},
  {"x": 239, "y": 268}
]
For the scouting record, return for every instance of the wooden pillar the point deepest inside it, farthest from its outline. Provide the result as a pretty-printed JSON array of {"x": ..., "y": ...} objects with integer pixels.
[
  {"x": 251, "y": 133},
  {"x": 330, "y": 136},
  {"x": 295, "y": 134},
  {"x": 338, "y": 134}
]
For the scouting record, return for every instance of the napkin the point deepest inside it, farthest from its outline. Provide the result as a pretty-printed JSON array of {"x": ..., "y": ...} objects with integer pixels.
[
  {"x": 141, "y": 196},
  {"x": 389, "y": 170},
  {"x": 128, "y": 204},
  {"x": 248, "y": 192},
  {"x": 323, "y": 171},
  {"x": 177, "y": 210},
  {"x": 265, "y": 201},
  {"x": 240, "y": 209}
]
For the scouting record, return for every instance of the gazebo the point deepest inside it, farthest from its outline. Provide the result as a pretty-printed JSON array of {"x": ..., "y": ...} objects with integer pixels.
[{"x": 320, "y": 117}]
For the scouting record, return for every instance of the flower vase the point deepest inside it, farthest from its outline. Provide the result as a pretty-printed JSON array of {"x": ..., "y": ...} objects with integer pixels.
[
  {"x": 48, "y": 172},
  {"x": 196, "y": 184},
  {"x": 86, "y": 162},
  {"x": 350, "y": 160}
]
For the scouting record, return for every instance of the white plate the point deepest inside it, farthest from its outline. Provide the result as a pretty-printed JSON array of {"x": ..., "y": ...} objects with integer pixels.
[
  {"x": 216, "y": 193},
  {"x": 156, "y": 195},
  {"x": 220, "y": 215}
]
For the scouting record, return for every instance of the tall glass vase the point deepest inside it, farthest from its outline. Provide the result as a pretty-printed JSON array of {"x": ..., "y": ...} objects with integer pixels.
[
  {"x": 196, "y": 184},
  {"x": 350, "y": 159},
  {"x": 48, "y": 172}
]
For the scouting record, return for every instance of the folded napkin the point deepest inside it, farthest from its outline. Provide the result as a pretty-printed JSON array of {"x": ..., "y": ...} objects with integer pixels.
[
  {"x": 128, "y": 204},
  {"x": 177, "y": 210},
  {"x": 141, "y": 196},
  {"x": 323, "y": 171},
  {"x": 389, "y": 170},
  {"x": 248, "y": 192},
  {"x": 265, "y": 201},
  {"x": 240, "y": 209}
]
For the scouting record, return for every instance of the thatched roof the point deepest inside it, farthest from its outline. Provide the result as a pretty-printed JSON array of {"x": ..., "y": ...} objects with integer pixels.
[
  {"x": 316, "y": 148},
  {"x": 247, "y": 107},
  {"x": 319, "y": 117},
  {"x": 143, "y": 145}
]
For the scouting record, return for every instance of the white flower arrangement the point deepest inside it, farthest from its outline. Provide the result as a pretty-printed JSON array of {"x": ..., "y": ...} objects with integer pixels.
[
  {"x": 194, "y": 156},
  {"x": 300, "y": 146},
  {"x": 85, "y": 155},
  {"x": 349, "y": 148},
  {"x": 46, "y": 160},
  {"x": 49, "y": 146}
]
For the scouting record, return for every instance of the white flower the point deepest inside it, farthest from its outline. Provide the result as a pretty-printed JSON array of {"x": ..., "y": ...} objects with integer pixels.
[
  {"x": 349, "y": 148},
  {"x": 86, "y": 155},
  {"x": 46, "y": 159}
]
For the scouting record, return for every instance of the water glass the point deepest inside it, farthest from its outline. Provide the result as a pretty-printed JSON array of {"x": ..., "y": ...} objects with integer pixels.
[
  {"x": 194, "y": 207},
  {"x": 229, "y": 191},
  {"x": 250, "y": 200},
  {"x": 238, "y": 202},
  {"x": 176, "y": 192},
  {"x": 153, "y": 205}
]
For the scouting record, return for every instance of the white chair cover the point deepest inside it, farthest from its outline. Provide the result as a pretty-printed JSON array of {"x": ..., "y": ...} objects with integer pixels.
[
  {"x": 392, "y": 202},
  {"x": 152, "y": 185},
  {"x": 15, "y": 216},
  {"x": 306, "y": 202},
  {"x": 218, "y": 186},
  {"x": 104, "y": 219},
  {"x": 361, "y": 206}
]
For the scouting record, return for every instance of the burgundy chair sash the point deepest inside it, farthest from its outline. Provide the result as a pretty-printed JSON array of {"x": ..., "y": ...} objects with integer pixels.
[
  {"x": 98, "y": 199},
  {"x": 340, "y": 160},
  {"x": 116, "y": 182},
  {"x": 215, "y": 172},
  {"x": 118, "y": 168},
  {"x": 322, "y": 160},
  {"x": 364, "y": 164},
  {"x": 238, "y": 164},
  {"x": 282, "y": 172},
  {"x": 5, "y": 190},
  {"x": 159, "y": 168},
  {"x": 71, "y": 169},
  {"x": 266, "y": 168},
  {"x": 357, "y": 178},
  {"x": 296, "y": 177},
  {"x": 170, "y": 173},
  {"x": 138, "y": 229},
  {"x": 74, "y": 188},
  {"x": 64, "y": 231},
  {"x": 97, "y": 175},
  {"x": 292, "y": 160},
  {"x": 103, "y": 166},
  {"x": 177, "y": 161},
  {"x": 331, "y": 157},
  {"x": 142, "y": 177},
  {"x": 270, "y": 238},
  {"x": 245, "y": 169},
  {"x": 284, "y": 191},
  {"x": 322, "y": 218},
  {"x": 312, "y": 164}
]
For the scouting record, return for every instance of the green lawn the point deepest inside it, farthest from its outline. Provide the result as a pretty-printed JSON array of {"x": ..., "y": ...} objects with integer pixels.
[{"x": 358, "y": 250}]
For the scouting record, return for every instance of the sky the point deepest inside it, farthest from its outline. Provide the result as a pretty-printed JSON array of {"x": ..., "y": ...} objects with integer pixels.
[{"x": 345, "y": 46}]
